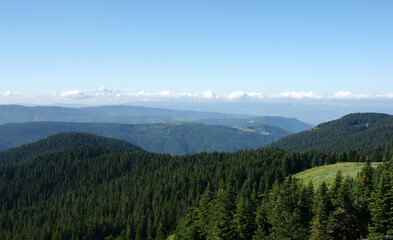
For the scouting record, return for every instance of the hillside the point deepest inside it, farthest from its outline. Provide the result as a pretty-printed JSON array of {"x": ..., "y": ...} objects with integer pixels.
[
  {"x": 327, "y": 173},
  {"x": 173, "y": 138},
  {"x": 63, "y": 141},
  {"x": 98, "y": 193},
  {"x": 358, "y": 131}
]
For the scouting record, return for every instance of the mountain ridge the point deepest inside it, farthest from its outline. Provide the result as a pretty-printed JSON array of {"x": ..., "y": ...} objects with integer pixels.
[{"x": 356, "y": 131}]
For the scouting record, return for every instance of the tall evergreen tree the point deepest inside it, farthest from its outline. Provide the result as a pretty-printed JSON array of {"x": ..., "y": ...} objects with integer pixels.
[
  {"x": 245, "y": 217},
  {"x": 224, "y": 227},
  {"x": 323, "y": 207},
  {"x": 341, "y": 223},
  {"x": 382, "y": 206}
]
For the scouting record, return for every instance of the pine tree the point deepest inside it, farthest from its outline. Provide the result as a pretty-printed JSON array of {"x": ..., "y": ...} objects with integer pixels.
[
  {"x": 283, "y": 204},
  {"x": 223, "y": 215},
  {"x": 322, "y": 210},
  {"x": 303, "y": 211},
  {"x": 382, "y": 206},
  {"x": 261, "y": 220},
  {"x": 245, "y": 217},
  {"x": 161, "y": 232},
  {"x": 334, "y": 190},
  {"x": 342, "y": 220}
]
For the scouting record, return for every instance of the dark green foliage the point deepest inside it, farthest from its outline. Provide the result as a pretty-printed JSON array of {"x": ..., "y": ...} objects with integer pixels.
[
  {"x": 382, "y": 206},
  {"x": 342, "y": 221},
  {"x": 63, "y": 141},
  {"x": 100, "y": 193},
  {"x": 323, "y": 207},
  {"x": 358, "y": 131}
]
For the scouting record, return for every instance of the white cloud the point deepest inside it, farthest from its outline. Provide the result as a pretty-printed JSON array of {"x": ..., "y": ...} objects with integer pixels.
[
  {"x": 255, "y": 95},
  {"x": 209, "y": 94},
  {"x": 72, "y": 94},
  {"x": 236, "y": 95},
  {"x": 386, "y": 95},
  {"x": 297, "y": 95},
  {"x": 103, "y": 95},
  {"x": 349, "y": 95},
  {"x": 7, "y": 94},
  {"x": 165, "y": 93}
]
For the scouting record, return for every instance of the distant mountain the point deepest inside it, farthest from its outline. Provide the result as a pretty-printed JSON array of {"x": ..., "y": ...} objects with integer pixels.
[
  {"x": 358, "y": 131},
  {"x": 136, "y": 115},
  {"x": 174, "y": 138},
  {"x": 292, "y": 125},
  {"x": 110, "y": 114},
  {"x": 64, "y": 141}
]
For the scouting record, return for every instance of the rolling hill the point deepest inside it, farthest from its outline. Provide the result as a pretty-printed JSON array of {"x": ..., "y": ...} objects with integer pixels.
[
  {"x": 174, "y": 138},
  {"x": 63, "y": 141},
  {"x": 357, "y": 131}
]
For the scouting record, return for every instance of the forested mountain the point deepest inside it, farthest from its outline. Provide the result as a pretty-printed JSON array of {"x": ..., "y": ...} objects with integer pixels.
[
  {"x": 98, "y": 193},
  {"x": 358, "y": 131},
  {"x": 173, "y": 138},
  {"x": 63, "y": 141}
]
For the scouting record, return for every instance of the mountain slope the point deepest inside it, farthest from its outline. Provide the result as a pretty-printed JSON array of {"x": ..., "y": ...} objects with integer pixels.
[
  {"x": 358, "y": 131},
  {"x": 174, "y": 138},
  {"x": 63, "y": 141}
]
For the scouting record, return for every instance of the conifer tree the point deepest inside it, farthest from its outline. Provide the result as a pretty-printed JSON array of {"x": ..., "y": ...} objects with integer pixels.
[
  {"x": 382, "y": 206},
  {"x": 341, "y": 223},
  {"x": 161, "y": 232},
  {"x": 245, "y": 217},
  {"x": 223, "y": 215},
  {"x": 323, "y": 208},
  {"x": 261, "y": 220}
]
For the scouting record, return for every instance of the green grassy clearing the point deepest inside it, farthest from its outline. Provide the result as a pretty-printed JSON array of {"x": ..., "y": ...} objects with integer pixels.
[{"x": 327, "y": 173}]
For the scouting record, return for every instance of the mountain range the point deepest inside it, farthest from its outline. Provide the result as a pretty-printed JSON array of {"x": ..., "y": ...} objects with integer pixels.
[
  {"x": 136, "y": 115},
  {"x": 174, "y": 138}
]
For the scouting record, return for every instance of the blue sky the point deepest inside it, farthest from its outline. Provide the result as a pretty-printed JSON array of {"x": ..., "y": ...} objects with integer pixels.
[{"x": 54, "y": 51}]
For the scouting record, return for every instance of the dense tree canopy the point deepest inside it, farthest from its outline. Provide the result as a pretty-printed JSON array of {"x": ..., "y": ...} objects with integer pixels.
[{"x": 91, "y": 192}]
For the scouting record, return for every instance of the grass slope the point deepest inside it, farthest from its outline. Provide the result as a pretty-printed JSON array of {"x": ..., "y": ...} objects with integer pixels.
[{"x": 327, "y": 173}]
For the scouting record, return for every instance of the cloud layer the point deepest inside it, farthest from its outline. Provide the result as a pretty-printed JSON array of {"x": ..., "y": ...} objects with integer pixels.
[{"x": 103, "y": 95}]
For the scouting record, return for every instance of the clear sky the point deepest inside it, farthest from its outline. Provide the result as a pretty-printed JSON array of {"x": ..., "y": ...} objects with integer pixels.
[{"x": 195, "y": 48}]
